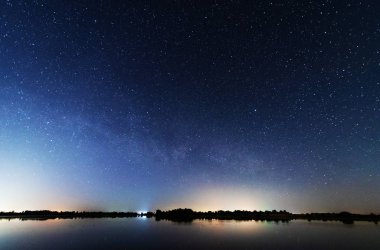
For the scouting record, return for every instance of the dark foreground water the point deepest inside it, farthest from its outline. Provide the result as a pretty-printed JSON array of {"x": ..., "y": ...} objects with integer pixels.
[{"x": 142, "y": 233}]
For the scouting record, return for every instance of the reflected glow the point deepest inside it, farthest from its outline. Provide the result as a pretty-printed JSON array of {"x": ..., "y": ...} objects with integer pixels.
[
  {"x": 226, "y": 226},
  {"x": 148, "y": 234}
]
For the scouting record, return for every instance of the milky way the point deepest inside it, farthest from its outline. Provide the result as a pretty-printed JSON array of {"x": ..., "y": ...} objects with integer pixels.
[{"x": 123, "y": 105}]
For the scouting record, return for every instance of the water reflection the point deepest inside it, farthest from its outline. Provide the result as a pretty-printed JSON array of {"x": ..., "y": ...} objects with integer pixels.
[{"x": 142, "y": 233}]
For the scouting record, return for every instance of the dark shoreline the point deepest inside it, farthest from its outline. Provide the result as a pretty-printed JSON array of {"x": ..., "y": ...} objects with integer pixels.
[{"x": 188, "y": 215}]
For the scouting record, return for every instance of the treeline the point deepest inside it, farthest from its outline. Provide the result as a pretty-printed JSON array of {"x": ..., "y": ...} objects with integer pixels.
[
  {"x": 188, "y": 215},
  {"x": 47, "y": 214}
]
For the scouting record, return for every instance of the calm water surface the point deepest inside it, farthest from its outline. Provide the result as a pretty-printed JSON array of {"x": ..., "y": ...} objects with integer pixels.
[{"x": 142, "y": 233}]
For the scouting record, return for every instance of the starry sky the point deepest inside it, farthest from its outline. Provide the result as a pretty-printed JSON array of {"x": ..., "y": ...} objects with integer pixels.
[{"x": 134, "y": 105}]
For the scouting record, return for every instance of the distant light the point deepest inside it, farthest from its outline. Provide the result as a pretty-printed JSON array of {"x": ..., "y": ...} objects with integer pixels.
[{"x": 142, "y": 214}]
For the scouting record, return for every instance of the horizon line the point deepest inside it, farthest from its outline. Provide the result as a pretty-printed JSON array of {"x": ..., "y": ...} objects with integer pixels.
[{"x": 180, "y": 208}]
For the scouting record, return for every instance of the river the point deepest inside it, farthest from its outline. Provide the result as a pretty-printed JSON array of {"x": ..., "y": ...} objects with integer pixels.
[{"x": 144, "y": 233}]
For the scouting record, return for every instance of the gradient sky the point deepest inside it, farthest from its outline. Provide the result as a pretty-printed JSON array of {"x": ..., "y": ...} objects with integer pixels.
[{"x": 124, "y": 105}]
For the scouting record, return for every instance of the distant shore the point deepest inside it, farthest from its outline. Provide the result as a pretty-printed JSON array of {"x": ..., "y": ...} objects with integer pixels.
[{"x": 188, "y": 215}]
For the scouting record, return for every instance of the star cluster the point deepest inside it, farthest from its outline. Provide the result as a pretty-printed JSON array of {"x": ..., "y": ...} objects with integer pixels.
[{"x": 125, "y": 105}]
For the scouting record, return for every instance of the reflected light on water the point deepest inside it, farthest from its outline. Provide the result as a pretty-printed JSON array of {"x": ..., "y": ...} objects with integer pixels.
[
  {"x": 132, "y": 233},
  {"x": 233, "y": 226}
]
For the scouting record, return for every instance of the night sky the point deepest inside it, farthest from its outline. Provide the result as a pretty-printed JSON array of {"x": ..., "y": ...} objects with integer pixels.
[{"x": 123, "y": 105}]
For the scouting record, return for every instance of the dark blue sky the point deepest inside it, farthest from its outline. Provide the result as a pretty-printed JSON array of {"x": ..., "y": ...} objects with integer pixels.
[{"x": 124, "y": 105}]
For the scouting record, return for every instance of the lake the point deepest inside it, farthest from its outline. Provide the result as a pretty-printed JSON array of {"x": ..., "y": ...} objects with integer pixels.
[{"x": 144, "y": 233}]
